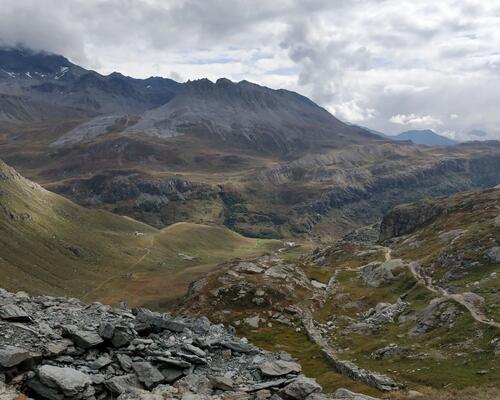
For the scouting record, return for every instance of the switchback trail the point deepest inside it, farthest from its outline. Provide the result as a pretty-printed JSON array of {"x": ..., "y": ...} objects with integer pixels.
[{"x": 427, "y": 282}]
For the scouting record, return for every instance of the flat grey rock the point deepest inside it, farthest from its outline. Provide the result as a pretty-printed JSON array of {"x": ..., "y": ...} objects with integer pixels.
[
  {"x": 14, "y": 313},
  {"x": 68, "y": 380},
  {"x": 279, "y": 368},
  {"x": 301, "y": 387},
  {"x": 149, "y": 375},
  {"x": 82, "y": 338},
  {"x": 11, "y": 356}
]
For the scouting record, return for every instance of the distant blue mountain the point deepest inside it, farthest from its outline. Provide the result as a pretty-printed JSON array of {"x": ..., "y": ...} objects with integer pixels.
[{"x": 425, "y": 137}]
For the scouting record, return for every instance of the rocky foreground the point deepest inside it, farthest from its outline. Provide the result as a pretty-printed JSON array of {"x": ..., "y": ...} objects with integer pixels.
[{"x": 58, "y": 348}]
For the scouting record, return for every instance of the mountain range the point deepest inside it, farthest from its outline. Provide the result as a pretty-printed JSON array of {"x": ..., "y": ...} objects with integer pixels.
[
  {"x": 372, "y": 261},
  {"x": 266, "y": 163}
]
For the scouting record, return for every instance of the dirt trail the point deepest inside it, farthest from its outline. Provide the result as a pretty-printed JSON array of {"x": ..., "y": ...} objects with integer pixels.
[
  {"x": 427, "y": 282},
  {"x": 119, "y": 274}
]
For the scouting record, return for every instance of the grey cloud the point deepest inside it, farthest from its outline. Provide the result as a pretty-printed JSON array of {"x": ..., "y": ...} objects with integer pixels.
[{"x": 367, "y": 61}]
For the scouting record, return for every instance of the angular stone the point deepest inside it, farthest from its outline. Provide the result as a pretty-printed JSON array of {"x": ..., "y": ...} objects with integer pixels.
[
  {"x": 125, "y": 361},
  {"x": 147, "y": 374},
  {"x": 195, "y": 350},
  {"x": 122, "y": 383},
  {"x": 10, "y": 356},
  {"x": 106, "y": 330},
  {"x": 249, "y": 268},
  {"x": 59, "y": 347},
  {"x": 121, "y": 337},
  {"x": 138, "y": 394},
  {"x": 266, "y": 385},
  {"x": 172, "y": 374},
  {"x": 493, "y": 254},
  {"x": 173, "y": 362},
  {"x": 83, "y": 339},
  {"x": 11, "y": 312},
  {"x": 239, "y": 347},
  {"x": 101, "y": 362},
  {"x": 301, "y": 387},
  {"x": 159, "y": 321},
  {"x": 68, "y": 380},
  {"x": 44, "y": 391},
  {"x": 222, "y": 383},
  {"x": 279, "y": 368}
]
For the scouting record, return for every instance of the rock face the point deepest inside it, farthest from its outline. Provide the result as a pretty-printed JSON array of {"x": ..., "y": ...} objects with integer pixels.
[
  {"x": 248, "y": 114},
  {"x": 377, "y": 275},
  {"x": 68, "y": 350},
  {"x": 406, "y": 218}
]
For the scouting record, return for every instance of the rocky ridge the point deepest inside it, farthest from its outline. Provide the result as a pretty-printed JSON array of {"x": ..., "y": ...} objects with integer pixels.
[{"x": 59, "y": 348}]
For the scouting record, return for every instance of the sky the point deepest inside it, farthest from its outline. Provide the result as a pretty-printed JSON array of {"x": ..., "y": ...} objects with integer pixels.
[{"x": 388, "y": 65}]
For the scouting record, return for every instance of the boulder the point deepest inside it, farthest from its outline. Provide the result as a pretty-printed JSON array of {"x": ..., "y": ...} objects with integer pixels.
[
  {"x": 300, "y": 388},
  {"x": 58, "y": 347},
  {"x": 493, "y": 254},
  {"x": 392, "y": 350},
  {"x": 13, "y": 313},
  {"x": 172, "y": 374},
  {"x": 239, "y": 347},
  {"x": 138, "y": 394},
  {"x": 125, "y": 361},
  {"x": 123, "y": 383},
  {"x": 69, "y": 381},
  {"x": 222, "y": 383},
  {"x": 159, "y": 322},
  {"x": 10, "y": 356},
  {"x": 121, "y": 337},
  {"x": 279, "y": 368},
  {"x": 82, "y": 338},
  {"x": 149, "y": 375},
  {"x": 101, "y": 362},
  {"x": 249, "y": 268}
]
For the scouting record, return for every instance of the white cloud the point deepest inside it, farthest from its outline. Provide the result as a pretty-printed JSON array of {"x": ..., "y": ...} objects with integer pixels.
[
  {"x": 353, "y": 112},
  {"x": 368, "y": 61},
  {"x": 416, "y": 121}
]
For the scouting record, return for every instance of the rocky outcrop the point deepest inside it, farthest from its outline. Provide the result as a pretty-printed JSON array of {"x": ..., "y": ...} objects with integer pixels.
[
  {"x": 69, "y": 350},
  {"x": 406, "y": 218}
]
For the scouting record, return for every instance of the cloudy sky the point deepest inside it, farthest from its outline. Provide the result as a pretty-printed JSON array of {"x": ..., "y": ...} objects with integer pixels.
[{"x": 389, "y": 65}]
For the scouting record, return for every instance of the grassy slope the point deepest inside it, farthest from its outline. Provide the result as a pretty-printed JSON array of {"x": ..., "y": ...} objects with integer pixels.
[{"x": 50, "y": 245}]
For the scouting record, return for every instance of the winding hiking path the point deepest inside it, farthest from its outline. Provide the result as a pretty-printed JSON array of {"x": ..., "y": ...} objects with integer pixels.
[
  {"x": 121, "y": 273},
  {"x": 427, "y": 282}
]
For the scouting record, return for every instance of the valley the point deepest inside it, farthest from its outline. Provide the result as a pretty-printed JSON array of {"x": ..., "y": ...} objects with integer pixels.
[
  {"x": 408, "y": 307},
  {"x": 50, "y": 245},
  {"x": 373, "y": 262},
  {"x": 266, "y": 163}
]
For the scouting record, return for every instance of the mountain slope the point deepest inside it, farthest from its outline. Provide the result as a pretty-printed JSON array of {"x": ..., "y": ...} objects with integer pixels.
[
  {"x": 425, "y": 137},
  {"x": 266, "y": 163},
  {"x": 246, "y": 114},
  {"x": 54, "y": 80},
  {"x": 51, "y": 245},
  {"x": 420, "y": 306}
]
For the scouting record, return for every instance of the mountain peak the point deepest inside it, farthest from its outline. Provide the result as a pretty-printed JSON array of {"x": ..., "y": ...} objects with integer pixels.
[
  {"x": 425, "y": 137},
  {"x": 20, "y": 60}
]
